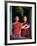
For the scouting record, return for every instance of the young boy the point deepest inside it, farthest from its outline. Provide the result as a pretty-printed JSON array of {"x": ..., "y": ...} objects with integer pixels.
[
  {"x": 26, "y": 29},
  {"x": 16, "y": 32}
]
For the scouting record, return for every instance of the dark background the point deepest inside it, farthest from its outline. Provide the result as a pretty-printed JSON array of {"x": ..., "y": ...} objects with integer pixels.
[{"x": 22, "y": 11}]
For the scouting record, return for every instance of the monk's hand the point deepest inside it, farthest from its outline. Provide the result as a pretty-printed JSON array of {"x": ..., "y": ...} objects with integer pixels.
[{"x": 27, "y": 26}]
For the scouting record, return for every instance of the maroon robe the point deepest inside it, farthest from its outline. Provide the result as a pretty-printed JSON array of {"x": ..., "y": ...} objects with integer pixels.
[{"x": 25, "y": 32}]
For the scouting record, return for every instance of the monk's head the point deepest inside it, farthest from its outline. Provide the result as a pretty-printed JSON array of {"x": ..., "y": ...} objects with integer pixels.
[
  {"x": 17, "y": 18},
  {"x": 25, "y": 18}
]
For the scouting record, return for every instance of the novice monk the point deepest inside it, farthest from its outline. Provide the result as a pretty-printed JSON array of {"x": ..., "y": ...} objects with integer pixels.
[
  {"x": 26, "y": 30},
  {"x": 16, "y": 32}
]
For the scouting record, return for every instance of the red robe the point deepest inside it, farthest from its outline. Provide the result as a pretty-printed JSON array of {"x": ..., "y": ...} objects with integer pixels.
[
  {"x": 16, "y": 30},
  {"x": 25, "y": 32}
]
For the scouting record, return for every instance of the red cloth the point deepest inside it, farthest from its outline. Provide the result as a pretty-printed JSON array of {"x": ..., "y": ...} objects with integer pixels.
[
  {"x": 25, "y": 32},
  {"x": 17, "y": 29}
]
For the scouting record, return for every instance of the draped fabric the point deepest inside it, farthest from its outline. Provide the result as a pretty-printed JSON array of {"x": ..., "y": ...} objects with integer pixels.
[
  {"x": 17, "y": 30},
  {"x": 25, "y": 32}
]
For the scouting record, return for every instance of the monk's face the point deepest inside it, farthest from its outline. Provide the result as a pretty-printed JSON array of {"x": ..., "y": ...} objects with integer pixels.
[
  {"x": 17, "y": 18},
  {"x": 25, "y": 19}
]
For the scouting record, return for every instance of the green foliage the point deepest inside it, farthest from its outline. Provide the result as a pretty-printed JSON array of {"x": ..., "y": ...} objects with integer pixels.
[{"x": 19, "y": 10}]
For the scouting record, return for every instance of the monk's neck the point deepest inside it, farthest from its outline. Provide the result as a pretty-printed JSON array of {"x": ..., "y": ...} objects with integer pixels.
[
  {"x": 16, "y": 21},
  {"x": 25, "y": 21}
]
